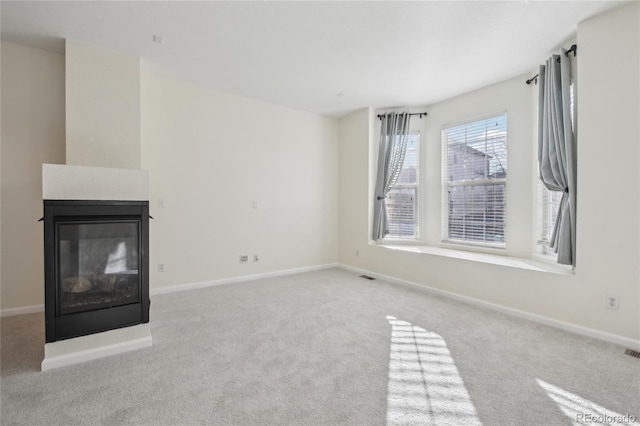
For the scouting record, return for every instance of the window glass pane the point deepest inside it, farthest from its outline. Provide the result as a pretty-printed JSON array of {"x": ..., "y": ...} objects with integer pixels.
[
  {"x": 402, "y": 200},
  {"x": 409, "y": 173},
  {"x": 475, "y": 167},
  {"x": 477, "y": 151},
  {"x": 549, "y": 206},
  {"x": 476, "y": 213},
  {"x": 401, "y": 209}
]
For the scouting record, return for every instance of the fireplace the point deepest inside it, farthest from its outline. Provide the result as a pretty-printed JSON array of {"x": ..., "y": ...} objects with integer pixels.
[{"x": 96, "y": 266}]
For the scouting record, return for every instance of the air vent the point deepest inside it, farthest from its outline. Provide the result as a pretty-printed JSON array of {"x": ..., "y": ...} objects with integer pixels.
[
  {"x": 367, "y": 277},
  {"x": 631, "y": 352}
]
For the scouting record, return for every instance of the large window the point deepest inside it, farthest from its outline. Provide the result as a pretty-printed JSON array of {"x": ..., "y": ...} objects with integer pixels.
[
  {"x": 474, "y": 180},
  {"x": 402, "y": 199}
]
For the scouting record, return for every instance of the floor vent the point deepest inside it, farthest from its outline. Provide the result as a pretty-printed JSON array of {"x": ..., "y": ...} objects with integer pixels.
[
  {"x": 631, "y": 352},
  {"x": 367, "y": 277}
]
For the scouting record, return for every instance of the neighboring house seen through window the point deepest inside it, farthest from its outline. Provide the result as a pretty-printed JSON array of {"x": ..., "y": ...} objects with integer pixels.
[{"x": 474, "y": 182}]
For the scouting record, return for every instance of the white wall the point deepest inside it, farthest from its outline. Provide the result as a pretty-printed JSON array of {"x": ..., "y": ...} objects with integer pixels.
[
  {"x": 33, "y": 133},
  {"x": 210, "y": 155},
  {"x": 102, "y": 107},
  {"x": 608, "y": 149},
  {"x": 354, "y": 195},
  {"x": 608, "y": 247}
]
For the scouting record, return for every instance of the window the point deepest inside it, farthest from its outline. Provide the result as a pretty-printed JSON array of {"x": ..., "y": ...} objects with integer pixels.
[
  {"x": 402, "y": 199},
  {"x": 474, "y": 165},
  {"x": 549, "y": 201}
]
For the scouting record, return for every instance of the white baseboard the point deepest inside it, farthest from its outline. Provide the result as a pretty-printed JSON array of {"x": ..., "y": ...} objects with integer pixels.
[
  {"x": 21, "y": 311},
  {"x": 212, "y": 283},
  {"x": 574, "y": 328},
  {"x": 86, "y": 348}
]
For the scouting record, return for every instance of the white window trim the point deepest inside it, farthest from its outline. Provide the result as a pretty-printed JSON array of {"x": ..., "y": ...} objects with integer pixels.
[
  {"x": 445, "y": 243},
  {"x": 418, "y": 214}
]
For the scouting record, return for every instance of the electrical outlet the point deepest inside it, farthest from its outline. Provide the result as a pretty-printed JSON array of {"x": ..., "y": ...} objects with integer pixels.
[
  {"x": 357, "y": 253},
  {"x": 612, "y": 301},
  {"x": 161, "y": 204},
  {"x": 244, "y": 258},
  {"x": 161, "y": 267},
  {"x": 256, "y": 258}
]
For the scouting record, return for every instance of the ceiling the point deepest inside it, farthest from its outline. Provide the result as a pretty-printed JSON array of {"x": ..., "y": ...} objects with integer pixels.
[{"x": 326, "y": 57}]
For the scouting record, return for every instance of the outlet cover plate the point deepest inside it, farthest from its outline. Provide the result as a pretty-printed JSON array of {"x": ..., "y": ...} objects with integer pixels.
[{"x": 612, "y": 301}]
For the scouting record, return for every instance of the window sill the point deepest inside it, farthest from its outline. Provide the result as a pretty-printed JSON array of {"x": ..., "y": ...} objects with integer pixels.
[
  {"x": 551, "y": 259},
  {"x": 493, "y": 259},
  {"x": 400, "y": 242}
]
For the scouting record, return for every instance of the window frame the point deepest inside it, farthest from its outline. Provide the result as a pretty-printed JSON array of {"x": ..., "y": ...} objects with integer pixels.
[
  {"x": 549, "y": 201},
  {"x": 417, "y": 188},
  {"x": 446, "y": 184}
]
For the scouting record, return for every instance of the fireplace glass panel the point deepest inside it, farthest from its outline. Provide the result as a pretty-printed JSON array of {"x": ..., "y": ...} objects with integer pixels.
[{"x": 98, "y": 264}]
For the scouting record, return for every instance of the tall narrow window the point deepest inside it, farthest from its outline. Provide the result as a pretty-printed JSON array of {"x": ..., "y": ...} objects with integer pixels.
[
  {"x": 474, "y": 165},
  {"x": 549, "y": 201},
  {"x": 402, "y": 200}
]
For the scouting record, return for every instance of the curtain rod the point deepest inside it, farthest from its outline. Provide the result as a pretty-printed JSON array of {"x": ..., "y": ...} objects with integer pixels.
[
  {"x": 573, "y": 48},
  {"x": 381, "y": 116}
]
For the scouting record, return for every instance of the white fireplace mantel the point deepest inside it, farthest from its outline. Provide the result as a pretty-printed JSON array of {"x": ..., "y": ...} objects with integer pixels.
[{"x": 65, "y": 182}]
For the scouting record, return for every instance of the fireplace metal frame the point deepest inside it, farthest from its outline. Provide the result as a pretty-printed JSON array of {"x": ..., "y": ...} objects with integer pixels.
[{"x": 58, "y": 326}]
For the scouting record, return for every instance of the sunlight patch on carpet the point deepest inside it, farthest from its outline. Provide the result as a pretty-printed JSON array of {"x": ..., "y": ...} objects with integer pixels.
[
  {"x": 424, "y": 384},
  {"x": 582, "y": 411}
]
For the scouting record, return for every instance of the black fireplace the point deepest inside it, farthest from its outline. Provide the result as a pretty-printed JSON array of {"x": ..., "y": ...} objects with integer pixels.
[{"x": 96, "y": 266}]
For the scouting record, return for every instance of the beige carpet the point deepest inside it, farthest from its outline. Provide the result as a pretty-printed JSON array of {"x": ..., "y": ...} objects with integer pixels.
[{"x": 323, "y": 348}]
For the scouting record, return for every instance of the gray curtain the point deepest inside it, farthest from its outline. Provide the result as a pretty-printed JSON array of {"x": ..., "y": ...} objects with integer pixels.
[
  {"x": 557, "y": 151},
  {"x": 391, "y": 152}
]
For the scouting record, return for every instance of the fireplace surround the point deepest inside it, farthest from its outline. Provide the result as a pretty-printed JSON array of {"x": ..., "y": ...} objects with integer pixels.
[{"x": 96, "y": 266}]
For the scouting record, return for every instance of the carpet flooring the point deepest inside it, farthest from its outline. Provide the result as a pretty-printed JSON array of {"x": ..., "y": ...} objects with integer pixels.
[{"x": 324, "y": 348}]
